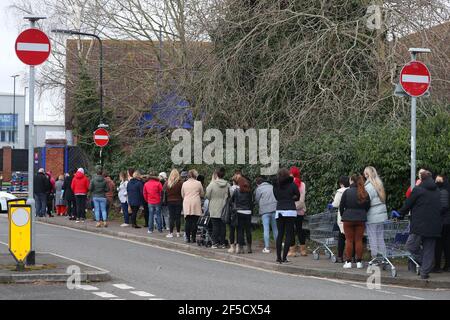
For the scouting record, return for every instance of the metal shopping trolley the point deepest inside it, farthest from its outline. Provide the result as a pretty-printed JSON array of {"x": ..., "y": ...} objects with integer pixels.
[
  {"x": 322, "y": 231},
  {"x": 395, "y": 234}
]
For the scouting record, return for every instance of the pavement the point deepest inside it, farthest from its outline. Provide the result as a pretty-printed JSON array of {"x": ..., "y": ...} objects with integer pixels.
[
  {"x": 299, "y": 265},
  {"x": 143, "y": 271}
]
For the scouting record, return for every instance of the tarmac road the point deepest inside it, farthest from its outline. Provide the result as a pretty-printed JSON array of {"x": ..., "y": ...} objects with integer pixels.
[{"x": 141, "y": 271}]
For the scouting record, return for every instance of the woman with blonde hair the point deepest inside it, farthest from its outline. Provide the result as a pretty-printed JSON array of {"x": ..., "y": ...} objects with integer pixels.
[
  {"x": 377, "y": 214},
  {"x": 172, "y": 188},
  {"x": 191, "y": 192}
]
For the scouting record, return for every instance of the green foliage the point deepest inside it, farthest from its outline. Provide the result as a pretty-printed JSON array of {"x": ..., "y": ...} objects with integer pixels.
[
  {"x": 87, "y": 117},
  {"x": 324, "y": 158}
]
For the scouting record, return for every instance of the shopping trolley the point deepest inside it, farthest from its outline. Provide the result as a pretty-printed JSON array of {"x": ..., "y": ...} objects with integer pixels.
[
  {"x": 395, "y": 234},
  {"x": 322, "y": 230}
]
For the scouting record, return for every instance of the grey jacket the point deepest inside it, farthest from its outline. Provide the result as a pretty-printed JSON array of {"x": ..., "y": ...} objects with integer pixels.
[
  {"x": 217, "y": 194},
  {"x": 378, "y": 211},
  {"x": 265, "y": 198},
  {"x": 98, "y": 187}
]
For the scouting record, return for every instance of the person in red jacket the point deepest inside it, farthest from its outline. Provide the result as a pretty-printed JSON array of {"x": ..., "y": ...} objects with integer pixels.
[
  {"x": 152, "y": 195},
  {"x": 80, "y": 187}
]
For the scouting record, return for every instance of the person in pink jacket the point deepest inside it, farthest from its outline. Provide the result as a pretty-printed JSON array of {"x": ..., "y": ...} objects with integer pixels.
[
  {"x": 301, "y": 209},
  {"x": 152, "y": 195},
  {"x": 192, "y": 192}
]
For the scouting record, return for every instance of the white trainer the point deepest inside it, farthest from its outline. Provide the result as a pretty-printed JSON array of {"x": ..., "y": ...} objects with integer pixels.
[
  {"x": 124, "y": 225},
  {"x": 347, "y": 265},
  {"x": 178, "y": 235},
  {"x": 170, "y": 235},
  {"x": 359, "y": 265},
  {"x": 265, "y": 250}
]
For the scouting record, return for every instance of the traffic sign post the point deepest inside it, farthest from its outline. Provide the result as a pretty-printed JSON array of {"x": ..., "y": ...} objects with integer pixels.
[
  {"x": 101, "y": 139},
  {"x": 415, "y": 81},
  {"x": 20, "y": 233},
  {"x": 32, "y": 48}
]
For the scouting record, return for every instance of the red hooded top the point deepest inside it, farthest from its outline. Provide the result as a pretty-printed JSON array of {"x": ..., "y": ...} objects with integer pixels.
[
  {"x": 295, "y": 172},
  {"x": 80, "y": 184},
  {"x": 152, "y": 191}
]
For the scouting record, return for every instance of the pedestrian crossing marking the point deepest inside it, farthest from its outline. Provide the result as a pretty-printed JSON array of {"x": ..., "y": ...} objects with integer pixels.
[
  {"x": 87, "y": 287},
  {"x": 104, "y": 294},
  {"x": 142, "y": 293},
  {"x": 123, "y": 286}
]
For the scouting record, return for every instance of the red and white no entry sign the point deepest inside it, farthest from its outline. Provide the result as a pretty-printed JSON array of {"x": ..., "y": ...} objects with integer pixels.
[
  {"x": 415, "y": 78},
  {"x": 101, "y": 137},
  {"x": 33, "y": 47}
]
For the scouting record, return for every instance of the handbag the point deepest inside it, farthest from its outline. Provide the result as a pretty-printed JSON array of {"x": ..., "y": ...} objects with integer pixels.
[
  {"x": 229, "y": 212},
  {"x": 164, "y": 196}
]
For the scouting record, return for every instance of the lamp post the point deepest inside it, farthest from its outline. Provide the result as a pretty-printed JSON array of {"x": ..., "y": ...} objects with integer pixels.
[
  {"x": 74, "y": 32},
  {"x": 14, "y": 112}
]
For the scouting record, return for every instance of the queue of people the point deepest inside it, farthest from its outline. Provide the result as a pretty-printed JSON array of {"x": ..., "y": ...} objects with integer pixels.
[{"x": 360, "y": 201}]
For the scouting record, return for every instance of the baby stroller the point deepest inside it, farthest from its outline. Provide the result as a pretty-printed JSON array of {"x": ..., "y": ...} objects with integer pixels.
[{"x": 204, "y": 231}]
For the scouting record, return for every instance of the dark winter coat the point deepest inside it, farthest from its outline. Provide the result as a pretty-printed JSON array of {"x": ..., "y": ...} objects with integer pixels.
[
  {"x": 425, "y": 206},
  {"x": 286, "y": 194},
  {"x": 350, "y": 207},
  {"x": 243, "y": 200},
  {"x": 135, "y": 191},
  {"x": 41, "y": 183},
  {"x": 98, "y": 187},
  {"x": 68, "y": 193},
  {"x": 445, "y": 204}
]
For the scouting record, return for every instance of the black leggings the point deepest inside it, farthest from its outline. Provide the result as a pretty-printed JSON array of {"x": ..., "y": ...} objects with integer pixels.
[
  {"x": 191, "y": 227},
  {"x": 244, "y": 225},
  {"x": 134, "y": 213},
  {"x": 175, "y": 216},
  {"x": 285, "y": 225},
  {"x": 233, "y": 234},
  {"x": 219, "y": 230},
  {"x": 71, "y": 208},
  {"x": 298, "y": 231},
  {"x": 146, "y": 214},
  {"x": 81, "y": 206},
  {"x": 443, "y": 245}
]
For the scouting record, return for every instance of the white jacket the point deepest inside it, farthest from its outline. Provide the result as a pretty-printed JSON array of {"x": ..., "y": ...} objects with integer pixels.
[
  {"x": 122, "y": 192},
  {"x": 336, "y": 203}
]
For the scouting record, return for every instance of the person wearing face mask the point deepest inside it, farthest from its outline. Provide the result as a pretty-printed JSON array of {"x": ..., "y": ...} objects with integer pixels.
[{"x": 443, "y": 243}]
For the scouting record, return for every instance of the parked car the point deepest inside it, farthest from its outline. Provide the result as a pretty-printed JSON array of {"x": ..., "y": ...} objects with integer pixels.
[{"x": 4, "y": 197}]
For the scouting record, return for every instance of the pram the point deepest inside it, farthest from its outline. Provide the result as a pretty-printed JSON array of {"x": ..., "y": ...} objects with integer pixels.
[
  {"x": 395, "y": 235},
  {"x": 322, "y": 231},
  {"x": 204, "y": 231}
]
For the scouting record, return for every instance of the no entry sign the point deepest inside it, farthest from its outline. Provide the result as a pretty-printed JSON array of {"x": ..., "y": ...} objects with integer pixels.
[
  {"x": 415, "y": 78},
  {"x": 33, "y": 47},
  {"x": 101, "y": 137}
]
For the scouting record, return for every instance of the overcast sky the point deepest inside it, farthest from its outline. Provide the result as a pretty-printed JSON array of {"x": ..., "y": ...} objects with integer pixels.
[{"x": 10, "y": 64}]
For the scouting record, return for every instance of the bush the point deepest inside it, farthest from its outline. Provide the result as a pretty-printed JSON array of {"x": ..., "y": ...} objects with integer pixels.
[{"x": 325, "y": 157}]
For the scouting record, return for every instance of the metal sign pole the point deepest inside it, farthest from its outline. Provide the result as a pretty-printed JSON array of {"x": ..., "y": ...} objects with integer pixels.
[
  {"x": 413, "y": 134},
  {"x": 31, "y": 259}
]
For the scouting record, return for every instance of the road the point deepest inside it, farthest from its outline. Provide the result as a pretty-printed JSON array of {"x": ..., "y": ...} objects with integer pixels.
[{"x": 141, "y": 271}]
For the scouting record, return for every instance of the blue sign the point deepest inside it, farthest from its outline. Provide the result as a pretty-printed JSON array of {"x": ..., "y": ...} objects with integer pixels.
[{"x": 7, "y": 121}]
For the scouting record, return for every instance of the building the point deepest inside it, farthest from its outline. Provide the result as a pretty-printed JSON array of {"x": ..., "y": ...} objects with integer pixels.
[
  {"x": 47, "y": 131},
  {"x": 137, "y": 75},
  {"x": 12, "y": 121}
]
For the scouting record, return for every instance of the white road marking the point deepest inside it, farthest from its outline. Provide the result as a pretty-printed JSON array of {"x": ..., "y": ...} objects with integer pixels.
[
  {"x": 104, "y": 294},
  {"x": 118, "y": 299},
  {"x": 87, "y": 287},
  {"x": 123, "y": 286},
  {"x": 387, "y": 292},
  {"x": 156, "y": 299},
  {"x": 142, "y": 294},
  {"x": 413, "y": 297}
]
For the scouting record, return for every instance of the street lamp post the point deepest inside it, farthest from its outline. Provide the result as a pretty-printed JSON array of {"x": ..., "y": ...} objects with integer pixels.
[
  {"x": 74, "y": 32},
  {"x": 14, "y": 112}
]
